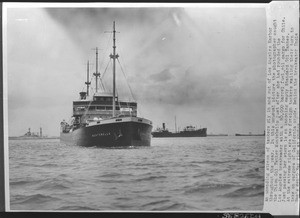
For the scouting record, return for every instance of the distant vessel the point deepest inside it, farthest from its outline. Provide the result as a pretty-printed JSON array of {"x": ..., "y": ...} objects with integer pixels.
[
  {"x": 250, "y": 134},
  {"x": 217, "y": 134},
  {"x": 102, "y": 120},
  {"x": 32, "y": 135},
  {"x": 189, "y": 131}
]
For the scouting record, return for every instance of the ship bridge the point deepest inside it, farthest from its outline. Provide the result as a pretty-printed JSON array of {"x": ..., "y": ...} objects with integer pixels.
[{"x": 100, "y": 106}]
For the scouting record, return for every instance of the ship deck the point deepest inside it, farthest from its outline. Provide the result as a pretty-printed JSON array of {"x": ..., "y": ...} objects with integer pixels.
[{"x": 120, "y": 120}]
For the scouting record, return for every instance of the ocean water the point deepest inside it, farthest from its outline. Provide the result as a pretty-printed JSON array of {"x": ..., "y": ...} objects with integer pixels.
[{"x": 173, "y": 174}]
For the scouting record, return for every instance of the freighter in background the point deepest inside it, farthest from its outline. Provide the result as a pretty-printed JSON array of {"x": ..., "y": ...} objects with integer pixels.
[
  {"x": 102, "y": 120},
  {"x": 189, "y": 131}
]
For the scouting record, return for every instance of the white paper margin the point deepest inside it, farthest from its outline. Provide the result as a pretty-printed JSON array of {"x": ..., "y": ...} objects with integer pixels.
[{"x": 290, "y": 9}]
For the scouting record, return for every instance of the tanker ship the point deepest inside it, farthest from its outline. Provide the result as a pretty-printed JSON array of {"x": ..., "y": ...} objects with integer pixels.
[{"x": 188, "y": 131}]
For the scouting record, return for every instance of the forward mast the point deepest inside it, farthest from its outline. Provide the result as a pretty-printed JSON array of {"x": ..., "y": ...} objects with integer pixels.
[
  {"x": 114, "y": 56},
  {"x": 88, "y": 83},
  {"x": 97, "y": 74}
]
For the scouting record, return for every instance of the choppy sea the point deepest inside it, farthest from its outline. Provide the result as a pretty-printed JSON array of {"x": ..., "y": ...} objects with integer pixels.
[{"x": 173, "y": 174}]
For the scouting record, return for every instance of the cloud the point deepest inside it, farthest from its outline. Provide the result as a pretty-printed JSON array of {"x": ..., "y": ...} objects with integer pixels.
[
  {"x": 200, "y": 64},
  {"x": 89, "y": 23},
  {"x": 162, "y": 76},
  {"x": 214, "y": 87}
]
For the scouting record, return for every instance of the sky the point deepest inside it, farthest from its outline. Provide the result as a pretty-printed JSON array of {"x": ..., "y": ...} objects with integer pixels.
[{"x": 206, "y": 66}]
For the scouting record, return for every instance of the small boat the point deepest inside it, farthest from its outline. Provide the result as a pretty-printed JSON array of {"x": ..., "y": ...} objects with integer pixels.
[{"x": 102, "y": 119}]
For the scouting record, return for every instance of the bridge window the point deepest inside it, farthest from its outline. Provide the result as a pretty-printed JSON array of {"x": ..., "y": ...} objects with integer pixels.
[
  {"x": 126, "y": 109},
  {"x": 100, "y": 108},
  {"x": 80, "y": 108}
]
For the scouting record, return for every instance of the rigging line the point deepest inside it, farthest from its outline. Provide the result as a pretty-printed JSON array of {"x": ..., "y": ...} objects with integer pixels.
[
  {"x": 121, "y": 52},
  {"x": 118, "y": 97},
  {"x": 129, "y": 108},
  {"x": 126, "y": 80},
  {"x": 107, "y": 47},
  {"x": 106, "y": 68},
  {"x": 101, "y": 64},
  {"x": 101, "y": 38},
  {"x": 121, "y": 112},
  {"x": 92, "y": 63},
  {"x": 92, "y": 89},
  {"x": 89, "y": 103},
  {"x": 105, "y": 86},
  {"x": 91, "y": 57},
  {"x": 117, "y": 92},
  {"x": 102, "y": 84},
  {"x": 87, "y": 109},
  {"x": 83, "y": 88}
]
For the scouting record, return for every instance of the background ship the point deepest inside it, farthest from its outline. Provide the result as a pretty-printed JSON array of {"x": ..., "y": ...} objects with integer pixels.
[
  {"x": 250, "y": 134},
  {"x": 32, "y": 135},
  {"x": 211, "y": 134},
  {"x": 189, "y": 131},
  {"x": 102, "y": 120}
]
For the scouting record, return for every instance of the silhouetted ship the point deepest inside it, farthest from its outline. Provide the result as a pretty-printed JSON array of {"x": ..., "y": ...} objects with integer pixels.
[
  {"x": 250, "y": 134},
  {"x": 32, "y": 135},
  {"x": 189, "y": 131},
  {"x": 217, "y": 134},
  {"x": 102, "y": 120}
]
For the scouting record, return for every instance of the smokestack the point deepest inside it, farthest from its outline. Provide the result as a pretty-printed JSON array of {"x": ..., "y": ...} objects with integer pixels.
[
  {"x": 41, "y": 132},
  {"x": 82, "y": 95},
  {"x": 164, "y": 127}
]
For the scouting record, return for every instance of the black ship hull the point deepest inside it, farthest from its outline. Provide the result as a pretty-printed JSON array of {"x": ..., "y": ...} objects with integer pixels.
[
  {"x": 196, "y": 133},
  {"x": 122, "y": 132}
]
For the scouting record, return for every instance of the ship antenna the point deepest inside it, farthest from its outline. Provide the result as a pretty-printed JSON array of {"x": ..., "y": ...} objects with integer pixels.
[
  {"x": 88, "y": 83},
  {"x": 97, "y": 74},
  {"x": 114, "y": 56}
]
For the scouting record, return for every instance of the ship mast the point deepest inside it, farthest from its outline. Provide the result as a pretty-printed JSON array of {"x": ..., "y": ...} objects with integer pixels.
[
  {"x": 114, "y": 56},
  {"x": 88, "y": 83},
  {"x": 175, "y": 125},
  {"x": 97, "y": 74}
]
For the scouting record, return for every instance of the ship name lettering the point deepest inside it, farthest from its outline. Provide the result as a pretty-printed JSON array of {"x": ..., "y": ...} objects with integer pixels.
[{"x": 101, "y": 134}]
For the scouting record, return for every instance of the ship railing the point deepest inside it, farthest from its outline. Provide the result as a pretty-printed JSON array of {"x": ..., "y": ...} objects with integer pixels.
[{"x": 98, "y": 112}]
